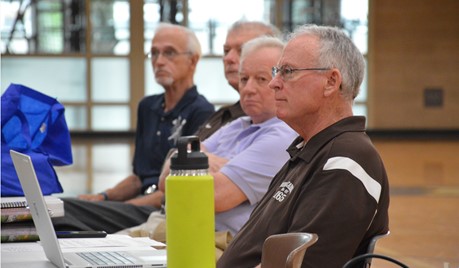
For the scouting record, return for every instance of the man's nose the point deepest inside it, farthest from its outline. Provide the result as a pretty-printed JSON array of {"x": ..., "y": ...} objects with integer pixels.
[
  {"x": 160, "y": 59},
  {"x": 231, "y": 56},
  {"x": 249, "y": 87},
  {"x": 275, "y": 83}
]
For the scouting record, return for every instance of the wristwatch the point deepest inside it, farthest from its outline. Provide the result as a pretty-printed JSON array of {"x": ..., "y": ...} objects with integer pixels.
[
  {"x": 104, "y": 194},
  {"x": 151, "y": 189}
]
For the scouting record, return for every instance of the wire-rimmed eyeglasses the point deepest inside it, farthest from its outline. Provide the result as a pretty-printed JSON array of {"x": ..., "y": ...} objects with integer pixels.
[
  {"x": 169, "y": 54},
  {"x": 286, "y": 72}
]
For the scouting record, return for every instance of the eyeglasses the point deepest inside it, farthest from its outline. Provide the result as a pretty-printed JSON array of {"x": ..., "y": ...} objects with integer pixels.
[
  {"x": 286, "y": 72},
  {"x": 169, "y": 54}
]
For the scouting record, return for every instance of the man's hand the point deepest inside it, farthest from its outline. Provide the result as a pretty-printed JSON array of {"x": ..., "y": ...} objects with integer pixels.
[
  {"x": 124, "y": 190},
  {"x": 91, "y": 197},
  {"x": 215, "y": 162}
]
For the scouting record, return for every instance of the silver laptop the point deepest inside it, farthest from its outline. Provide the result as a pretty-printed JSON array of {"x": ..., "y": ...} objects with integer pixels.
[{"x": 48, "y": 238}]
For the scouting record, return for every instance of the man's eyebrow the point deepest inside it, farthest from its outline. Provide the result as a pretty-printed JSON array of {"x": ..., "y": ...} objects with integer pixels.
[
  {"x": 168, "y": 47},
  {"x": 232, "y": 46}
]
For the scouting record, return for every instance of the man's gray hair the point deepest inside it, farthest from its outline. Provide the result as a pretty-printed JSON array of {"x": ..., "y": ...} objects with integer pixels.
[
  {"x": 336, "y": 50},
  {"x": 193, "y": 43},
  {"x": 258, "y": 26},
  {"x": 259, "y": 43}
]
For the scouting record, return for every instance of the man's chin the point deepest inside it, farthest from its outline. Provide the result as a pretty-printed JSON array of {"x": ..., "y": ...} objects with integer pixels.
[
  {"x": 280, "y": 114},
  {"x": 233, "y": 79},
  {"x": 164, "y": 81},
  {"x": 234, "y": 84}
]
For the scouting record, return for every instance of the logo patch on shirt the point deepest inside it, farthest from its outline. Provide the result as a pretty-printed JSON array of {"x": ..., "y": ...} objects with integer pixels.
[
  {"x": 177, "y": 127},
  {"x": 284, "y": 189}
]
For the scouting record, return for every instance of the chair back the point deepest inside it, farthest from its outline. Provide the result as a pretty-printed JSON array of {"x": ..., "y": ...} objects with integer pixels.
[
  {"x": 354, "y": 262},
  {"x": 371, "y": 248},
  {"x": 286, "y": 250}
]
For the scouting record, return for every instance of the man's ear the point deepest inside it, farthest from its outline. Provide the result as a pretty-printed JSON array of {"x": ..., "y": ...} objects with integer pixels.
[
  {"x": 334, "y": 80},
  {"x": 194, "y": 60}
]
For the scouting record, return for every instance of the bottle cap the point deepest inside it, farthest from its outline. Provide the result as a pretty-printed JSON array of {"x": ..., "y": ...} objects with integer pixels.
[{"x": 184, "y": 159}]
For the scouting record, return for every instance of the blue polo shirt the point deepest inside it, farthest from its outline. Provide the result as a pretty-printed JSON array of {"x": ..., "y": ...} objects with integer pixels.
[{"x": 157, "y": 131}]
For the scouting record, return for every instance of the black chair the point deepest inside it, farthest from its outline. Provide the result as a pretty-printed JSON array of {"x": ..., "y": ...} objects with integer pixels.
[
  {"x": 366, "y": 258},
  {"x": 356, "y": 260},
  {"x": 371, "y": 248}
]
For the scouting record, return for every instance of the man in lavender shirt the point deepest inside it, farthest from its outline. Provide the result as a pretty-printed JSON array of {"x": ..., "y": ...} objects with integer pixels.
[
  {"x": 254, "y": 152},
  {"x": 245, "y": 154}
]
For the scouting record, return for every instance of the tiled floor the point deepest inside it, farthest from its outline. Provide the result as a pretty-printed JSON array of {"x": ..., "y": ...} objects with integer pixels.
[{"x": 424, "y": 210}]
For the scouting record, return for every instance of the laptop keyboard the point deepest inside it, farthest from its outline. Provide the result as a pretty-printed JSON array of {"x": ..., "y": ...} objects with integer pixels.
[{"x": 107, "y": 258}]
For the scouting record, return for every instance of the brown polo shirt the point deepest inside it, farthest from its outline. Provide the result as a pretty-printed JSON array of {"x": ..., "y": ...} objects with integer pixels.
[
  {"x": 218, "y": 119},
  {"x": 335, "y": 186}
]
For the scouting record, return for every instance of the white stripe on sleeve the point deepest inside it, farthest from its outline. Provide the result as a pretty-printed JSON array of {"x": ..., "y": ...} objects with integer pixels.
[{"x": 371, "y": 185}]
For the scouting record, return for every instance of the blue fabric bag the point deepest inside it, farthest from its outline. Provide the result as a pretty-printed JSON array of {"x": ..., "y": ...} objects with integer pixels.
[{"x": 34, "y": 124}]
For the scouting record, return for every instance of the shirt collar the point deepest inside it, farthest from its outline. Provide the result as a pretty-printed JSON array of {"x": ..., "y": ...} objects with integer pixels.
[
  {"x": 236, "y": 110},
  {"x": 190, "y": 95},
  {"x": 349, "y": 124},
  {"x": 247, "y": 122}
]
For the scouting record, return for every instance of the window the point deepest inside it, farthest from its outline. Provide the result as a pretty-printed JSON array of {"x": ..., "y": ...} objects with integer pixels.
[
  {"x": 47, "y": 46},
  {"x": 83, "y": 55}
]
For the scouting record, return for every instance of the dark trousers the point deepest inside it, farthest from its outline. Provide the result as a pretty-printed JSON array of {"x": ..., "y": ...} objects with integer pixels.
[{"x": 109, "y": 216}]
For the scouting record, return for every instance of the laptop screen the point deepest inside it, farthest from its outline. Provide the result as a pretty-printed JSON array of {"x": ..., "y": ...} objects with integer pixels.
[{"x": 38, "y": 209}]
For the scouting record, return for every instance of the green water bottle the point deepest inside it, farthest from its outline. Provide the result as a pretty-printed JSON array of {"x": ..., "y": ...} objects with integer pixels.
[{"x": 190, "y": 214}]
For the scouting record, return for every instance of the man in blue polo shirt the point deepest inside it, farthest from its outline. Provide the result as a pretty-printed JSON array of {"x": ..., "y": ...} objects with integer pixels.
[{"x": 179, "y": 111}]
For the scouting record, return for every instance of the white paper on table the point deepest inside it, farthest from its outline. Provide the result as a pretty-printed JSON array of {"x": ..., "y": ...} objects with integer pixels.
[
  {"x": 109, "y": 241},
  {"x": 21, "y": 247}
]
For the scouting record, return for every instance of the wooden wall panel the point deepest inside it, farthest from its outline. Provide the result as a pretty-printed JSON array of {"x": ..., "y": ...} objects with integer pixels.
[{"x": 413, "y": 45}]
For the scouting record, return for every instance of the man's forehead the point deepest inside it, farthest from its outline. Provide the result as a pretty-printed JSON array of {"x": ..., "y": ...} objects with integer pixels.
[
  {"x": 297, "y": 51},
  {"x": 234, "y": 41},
  {"x": 165, "y": 46},
  {"x": 168, "y": 40},
  {"x": 304, "y": 41},
  {"x": 256, "y": 64},
  {"x": 241, "y": 36}
]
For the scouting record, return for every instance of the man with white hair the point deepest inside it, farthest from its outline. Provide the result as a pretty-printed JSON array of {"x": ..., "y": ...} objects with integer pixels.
[
  {"x": 245, "y": 154},
  {"x": 335, "y": 183},
  {"x": 238, "y": 34},
  {"x": 179, "y": 111}
]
